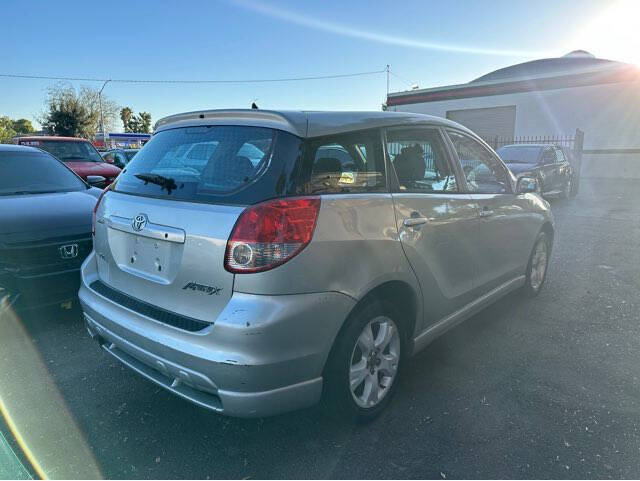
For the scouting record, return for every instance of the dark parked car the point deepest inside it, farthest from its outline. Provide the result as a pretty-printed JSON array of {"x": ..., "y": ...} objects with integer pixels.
[
  {"x": 45, "y": 227},
  {"x": 79, "y": 154},
  {"x": 119, "y": 157},
  {"x": 548, "y": 163}
]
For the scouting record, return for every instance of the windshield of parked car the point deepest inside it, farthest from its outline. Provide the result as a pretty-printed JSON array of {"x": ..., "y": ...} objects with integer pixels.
[
  {"x": 207, "y": 163},
  {"x": 35, "y": 172},
  {"x": 519, "y": 154},
  {"x": 70, "y": 150},
  {"x": 130, "y": 153}
]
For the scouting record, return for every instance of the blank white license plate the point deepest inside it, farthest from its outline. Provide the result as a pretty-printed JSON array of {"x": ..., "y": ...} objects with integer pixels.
[{"x": 149, "y": 255}]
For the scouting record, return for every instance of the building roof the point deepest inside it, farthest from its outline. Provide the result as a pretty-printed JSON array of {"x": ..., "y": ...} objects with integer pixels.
[
  {"x": 576, "y": 69},
  {"x": 301, "y": 123},
  {"x": 578, "y": 60}
]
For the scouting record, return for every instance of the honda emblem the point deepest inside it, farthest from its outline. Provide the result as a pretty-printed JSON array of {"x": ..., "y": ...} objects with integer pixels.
[{"x": 69, "y": 251}]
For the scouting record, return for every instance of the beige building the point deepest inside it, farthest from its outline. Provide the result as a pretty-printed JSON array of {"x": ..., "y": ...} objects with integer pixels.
[{"x": 549, "y": 97}]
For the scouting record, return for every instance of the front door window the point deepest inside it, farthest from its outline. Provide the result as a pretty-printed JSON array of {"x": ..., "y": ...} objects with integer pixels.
[{"x": 483, "y": 171}]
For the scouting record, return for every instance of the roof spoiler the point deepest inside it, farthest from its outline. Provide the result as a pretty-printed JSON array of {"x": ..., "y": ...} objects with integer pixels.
[{"x": 239, "y": 114}]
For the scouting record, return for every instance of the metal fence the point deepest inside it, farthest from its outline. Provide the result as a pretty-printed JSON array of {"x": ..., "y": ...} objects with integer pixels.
[{"x": 573, "y": 142}]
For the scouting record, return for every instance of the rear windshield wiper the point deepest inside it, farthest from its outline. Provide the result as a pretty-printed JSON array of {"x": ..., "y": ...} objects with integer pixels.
[{"x": 167, "y": 183}]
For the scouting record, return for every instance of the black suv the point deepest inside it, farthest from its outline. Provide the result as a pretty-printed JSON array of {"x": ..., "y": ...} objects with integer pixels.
[{"x": 548, "y": 163}]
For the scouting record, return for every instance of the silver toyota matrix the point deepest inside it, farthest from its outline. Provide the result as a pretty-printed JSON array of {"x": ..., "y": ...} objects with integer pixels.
[{"x": 254, "y": 262}]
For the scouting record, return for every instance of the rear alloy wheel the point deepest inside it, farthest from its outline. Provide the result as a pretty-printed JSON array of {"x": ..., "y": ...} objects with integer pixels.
[
  {"x": 374, "y": 362},
  {"x": 537, "y": 267},
  {"x": 363, "y": 368}
]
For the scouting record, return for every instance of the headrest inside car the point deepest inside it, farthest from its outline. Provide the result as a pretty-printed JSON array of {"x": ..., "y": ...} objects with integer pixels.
[{"x": 325, "y": 165}]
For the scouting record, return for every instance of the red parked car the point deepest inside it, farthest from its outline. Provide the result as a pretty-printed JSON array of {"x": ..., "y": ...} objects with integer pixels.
[{"x": 79, "y": 155}]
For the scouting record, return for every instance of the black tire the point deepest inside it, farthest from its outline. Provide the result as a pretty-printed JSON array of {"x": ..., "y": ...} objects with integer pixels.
[
  {"x": 337, "y": 393},
  {"x": 575, "y": 185},
  {"x": 530, "y": 288},
  {"x": 568, "y": 188}
]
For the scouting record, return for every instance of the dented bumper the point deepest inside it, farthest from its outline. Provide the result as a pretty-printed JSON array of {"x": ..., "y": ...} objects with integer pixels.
[{"x": 261, "y": 356}]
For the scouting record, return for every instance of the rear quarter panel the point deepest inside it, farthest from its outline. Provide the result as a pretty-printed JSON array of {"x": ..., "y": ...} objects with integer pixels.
[{"x": 355, "y": 248}]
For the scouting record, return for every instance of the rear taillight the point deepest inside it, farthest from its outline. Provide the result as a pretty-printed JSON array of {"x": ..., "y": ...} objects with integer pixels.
[
  {"x": 95, "y": 209},
  {"x": 269, "y": 234}
]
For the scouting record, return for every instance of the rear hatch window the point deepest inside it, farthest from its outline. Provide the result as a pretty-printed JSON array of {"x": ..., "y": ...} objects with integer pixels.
[{"x": 214, "y": 164}]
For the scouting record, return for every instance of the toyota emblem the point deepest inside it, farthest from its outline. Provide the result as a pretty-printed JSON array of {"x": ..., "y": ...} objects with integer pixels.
[{"x": 139, "y": 222}]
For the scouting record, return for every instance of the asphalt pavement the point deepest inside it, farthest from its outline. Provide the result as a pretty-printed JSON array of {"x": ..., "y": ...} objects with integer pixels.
[{"x": 529, "y": 388}]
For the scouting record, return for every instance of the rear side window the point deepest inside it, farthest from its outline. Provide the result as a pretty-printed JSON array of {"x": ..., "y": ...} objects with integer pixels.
[
  {"x": 347, "y": 163},
  {"x": 231, "y": 164}
]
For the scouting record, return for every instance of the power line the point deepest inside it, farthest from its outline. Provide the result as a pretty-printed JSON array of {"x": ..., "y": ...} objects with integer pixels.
[
  {"x": 402, "y": 79},
  {"x": 226, "y": 81}
]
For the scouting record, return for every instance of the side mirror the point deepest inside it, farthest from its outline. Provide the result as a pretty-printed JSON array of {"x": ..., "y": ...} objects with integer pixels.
[
  {"x": 108, "y": 158},
  {"x": 96, "y": 180},
  {"x": 526, "y": 185}
]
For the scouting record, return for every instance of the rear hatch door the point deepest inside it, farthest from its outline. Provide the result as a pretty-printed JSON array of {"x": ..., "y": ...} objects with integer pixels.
[
  {"x": 167, "y": 254},
  {"x": 162, "y": 230}
]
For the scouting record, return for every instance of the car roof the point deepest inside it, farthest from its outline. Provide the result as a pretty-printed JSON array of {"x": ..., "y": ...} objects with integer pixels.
[
  {"x": 17, "y": 148},
  {"x": 51, "y": 138},
  {"x": 304, "y": 124}
]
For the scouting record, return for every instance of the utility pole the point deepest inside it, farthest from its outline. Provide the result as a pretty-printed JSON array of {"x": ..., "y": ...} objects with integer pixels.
[
  {"x": 104, "y": 141},
  {"x": 387, "y": 69}
]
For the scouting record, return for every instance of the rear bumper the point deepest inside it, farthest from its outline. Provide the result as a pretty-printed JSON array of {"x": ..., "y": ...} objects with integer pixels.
[{"x": 263, "y": 355}]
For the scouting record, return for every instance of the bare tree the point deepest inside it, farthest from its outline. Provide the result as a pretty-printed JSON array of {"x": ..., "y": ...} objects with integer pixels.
[
  {"x": 77, "y": 113},
  {"x": 90, "y": 98}
]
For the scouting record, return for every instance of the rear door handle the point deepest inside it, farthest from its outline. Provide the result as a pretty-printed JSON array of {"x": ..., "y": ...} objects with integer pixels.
[
  {"x": 486, "y": 212},
  {"x": 414, "y": 221}
]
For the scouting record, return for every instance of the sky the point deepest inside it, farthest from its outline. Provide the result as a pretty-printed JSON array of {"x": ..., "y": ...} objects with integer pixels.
[{"x": 428, "y": 43}]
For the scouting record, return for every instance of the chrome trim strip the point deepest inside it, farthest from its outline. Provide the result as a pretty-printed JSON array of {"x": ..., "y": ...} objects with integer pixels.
[
  {"x": 455, "y": 318},
  {"x": 154, "y": 231}
]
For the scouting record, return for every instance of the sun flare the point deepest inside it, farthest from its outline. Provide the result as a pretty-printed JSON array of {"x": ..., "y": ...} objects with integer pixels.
[{"x": 613, "y": 34}]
